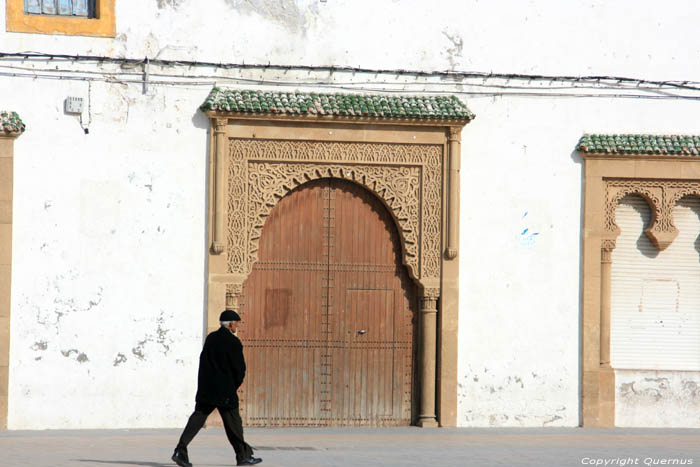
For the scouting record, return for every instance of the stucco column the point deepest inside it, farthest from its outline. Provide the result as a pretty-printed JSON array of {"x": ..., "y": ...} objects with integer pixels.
[
  {"x": 606, "y": 375},
  {"x": 218, "y": 245},
  {"x": 454, "y": 143},
  {"x": 605, "y": 267},
  {"x": 10, "y": 127},
  {"x": 428, "y": 321}
]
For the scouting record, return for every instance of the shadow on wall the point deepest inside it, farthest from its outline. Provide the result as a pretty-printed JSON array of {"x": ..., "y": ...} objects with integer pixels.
[
  {"x": 578, "y": 159},
  {"x": 201, "y": 121}
]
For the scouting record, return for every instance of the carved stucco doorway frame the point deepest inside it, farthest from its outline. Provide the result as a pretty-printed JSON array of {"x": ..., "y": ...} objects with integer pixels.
[
  {"x": 412, "y": 166},
  {"x": 662, "y": 172}
]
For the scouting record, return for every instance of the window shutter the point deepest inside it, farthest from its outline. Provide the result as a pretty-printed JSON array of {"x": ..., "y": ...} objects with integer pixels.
[
  {"x": 32, "y": 6},
  {"x": 65, "y": 7},
  {"x": 48, "y": 7},
  {"x": 655, "y": 295},
  {"x": 80, "y": 7}
]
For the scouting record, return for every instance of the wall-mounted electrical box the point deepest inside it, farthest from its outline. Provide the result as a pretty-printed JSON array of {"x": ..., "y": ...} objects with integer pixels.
[{"x": 74, "y": 105}]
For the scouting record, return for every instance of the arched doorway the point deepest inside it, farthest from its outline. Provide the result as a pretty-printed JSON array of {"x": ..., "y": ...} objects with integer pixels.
[{"x": 329, "y": 314}]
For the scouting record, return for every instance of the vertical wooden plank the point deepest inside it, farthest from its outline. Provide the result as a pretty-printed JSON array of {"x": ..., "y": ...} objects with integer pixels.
[{"x": 48, "y": 7}]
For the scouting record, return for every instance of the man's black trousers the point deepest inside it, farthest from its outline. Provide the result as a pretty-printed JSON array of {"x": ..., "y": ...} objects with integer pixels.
[{"x": 232, "y": 424}]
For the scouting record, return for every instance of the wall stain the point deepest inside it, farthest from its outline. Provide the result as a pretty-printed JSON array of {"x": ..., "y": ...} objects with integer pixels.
[
  {"x": 175, "y": 4},
  {"x": 691, "y": 387},
  {"x": 454, "y": 53},
  {"x": 285, "y": 12},
  {"x": 121, "y": 358}
]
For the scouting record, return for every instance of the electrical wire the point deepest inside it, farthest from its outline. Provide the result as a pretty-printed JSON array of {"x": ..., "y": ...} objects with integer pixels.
[
  {"x": 491, "y": 85},
  {"x": 686, "y": 84}
]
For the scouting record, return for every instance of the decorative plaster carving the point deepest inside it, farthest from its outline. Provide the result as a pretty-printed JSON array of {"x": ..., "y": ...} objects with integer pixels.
[
  {"x": 220, "y": 125},
  {"x": 454, "y": 133},
  {"x": 399, "y": 187},
  {"x": 233, "y": 293},
  {"x": 662, "y": 196},
  {"x": 235, "y": 290},
  {"x": 431, "y": 293},
  {"x": 608, "y": 244},
  {"x": 263, "y": 171}
]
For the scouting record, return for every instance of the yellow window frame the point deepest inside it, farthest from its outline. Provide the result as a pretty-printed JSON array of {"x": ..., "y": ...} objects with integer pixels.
[{"x": 104, "y": 25}]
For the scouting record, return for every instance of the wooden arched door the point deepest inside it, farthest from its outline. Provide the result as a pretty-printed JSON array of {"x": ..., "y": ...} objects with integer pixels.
[{"x": 328, "y": 314}]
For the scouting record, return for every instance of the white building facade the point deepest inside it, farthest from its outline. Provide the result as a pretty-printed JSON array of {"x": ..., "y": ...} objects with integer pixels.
[{"x": 110, "y": 205}]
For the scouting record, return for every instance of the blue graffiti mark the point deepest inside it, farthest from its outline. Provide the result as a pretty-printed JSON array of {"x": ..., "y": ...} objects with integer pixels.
[{"x": 527, "y": 238}]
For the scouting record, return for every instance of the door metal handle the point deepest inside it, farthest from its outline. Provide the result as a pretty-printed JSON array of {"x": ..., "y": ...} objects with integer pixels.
[{"x": 362, "y": 331}]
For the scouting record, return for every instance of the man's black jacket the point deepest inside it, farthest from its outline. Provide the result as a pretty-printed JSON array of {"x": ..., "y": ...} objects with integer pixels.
[{"x": 221, "y": 369}]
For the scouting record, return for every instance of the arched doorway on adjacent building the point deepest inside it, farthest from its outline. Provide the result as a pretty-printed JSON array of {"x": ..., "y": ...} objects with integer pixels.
[{"x": 329, "y": 314}]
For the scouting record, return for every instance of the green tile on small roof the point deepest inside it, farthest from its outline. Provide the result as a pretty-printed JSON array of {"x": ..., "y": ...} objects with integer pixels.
[
  {"x": 10, "y": 123},
  {"x": 665, "y": 145},
  {"x": 344, "y": 105}
]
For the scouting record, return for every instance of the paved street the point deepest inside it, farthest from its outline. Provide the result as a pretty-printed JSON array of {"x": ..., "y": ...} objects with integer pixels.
[{"x": 359, "y": 447}]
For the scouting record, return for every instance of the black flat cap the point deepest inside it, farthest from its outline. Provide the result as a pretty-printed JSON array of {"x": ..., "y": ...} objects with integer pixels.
[{"x": 229, "y": 315}]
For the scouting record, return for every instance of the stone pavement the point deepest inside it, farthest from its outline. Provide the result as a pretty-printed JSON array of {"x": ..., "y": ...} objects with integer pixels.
[{"x": 326, "y": 447}]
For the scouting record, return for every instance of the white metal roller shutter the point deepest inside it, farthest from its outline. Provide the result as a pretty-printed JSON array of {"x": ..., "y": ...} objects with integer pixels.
[{"x": 655, "y": 295}]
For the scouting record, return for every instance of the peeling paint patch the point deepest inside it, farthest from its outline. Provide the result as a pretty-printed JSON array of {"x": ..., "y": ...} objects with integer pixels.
[
  {"x": 79, "y": 356},
  {"x": 138, "y": 350},
  {"x": 160, "y": 337},
  {"x": 40, "y": 345},
  {"x": 499, "y": 419},
  {"x": 657, "y": 398},
  {"x": 120, "y": 358},
  {"x": 551, "y": 420},
  {"x": 62, "y": 305}
]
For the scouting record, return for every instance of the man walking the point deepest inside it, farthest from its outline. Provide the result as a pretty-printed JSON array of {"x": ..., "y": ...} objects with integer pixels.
[{"x": 221, "y": 372}]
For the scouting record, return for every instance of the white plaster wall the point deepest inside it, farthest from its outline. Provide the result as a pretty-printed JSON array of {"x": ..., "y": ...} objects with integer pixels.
[
  {"x": 520, "y": 292},
  {"x": 108, "y": 272},
  {"x": 110, "y": 240}
]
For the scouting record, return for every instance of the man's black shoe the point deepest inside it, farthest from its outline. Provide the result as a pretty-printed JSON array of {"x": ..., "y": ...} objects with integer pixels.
[
  {"x": 250, "y": 461},
  {"x": 180, "y": 458}
]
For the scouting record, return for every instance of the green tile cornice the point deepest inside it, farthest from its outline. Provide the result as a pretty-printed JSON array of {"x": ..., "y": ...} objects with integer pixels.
[
  {"x": 10, "y": 123},
  {"x": 381, "y": 106},
  {"x": 662, "y": 145}
]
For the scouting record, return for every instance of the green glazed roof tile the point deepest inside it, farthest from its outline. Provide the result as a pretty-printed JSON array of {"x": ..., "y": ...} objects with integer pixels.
[
  {"x": 346, "y": 105},
  {"x": 10, "y": 122},
  {"x": 666, "y": 145}
]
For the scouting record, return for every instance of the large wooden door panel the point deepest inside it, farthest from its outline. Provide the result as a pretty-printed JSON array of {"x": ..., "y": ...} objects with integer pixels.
[{"x": 328, "y": 314}]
